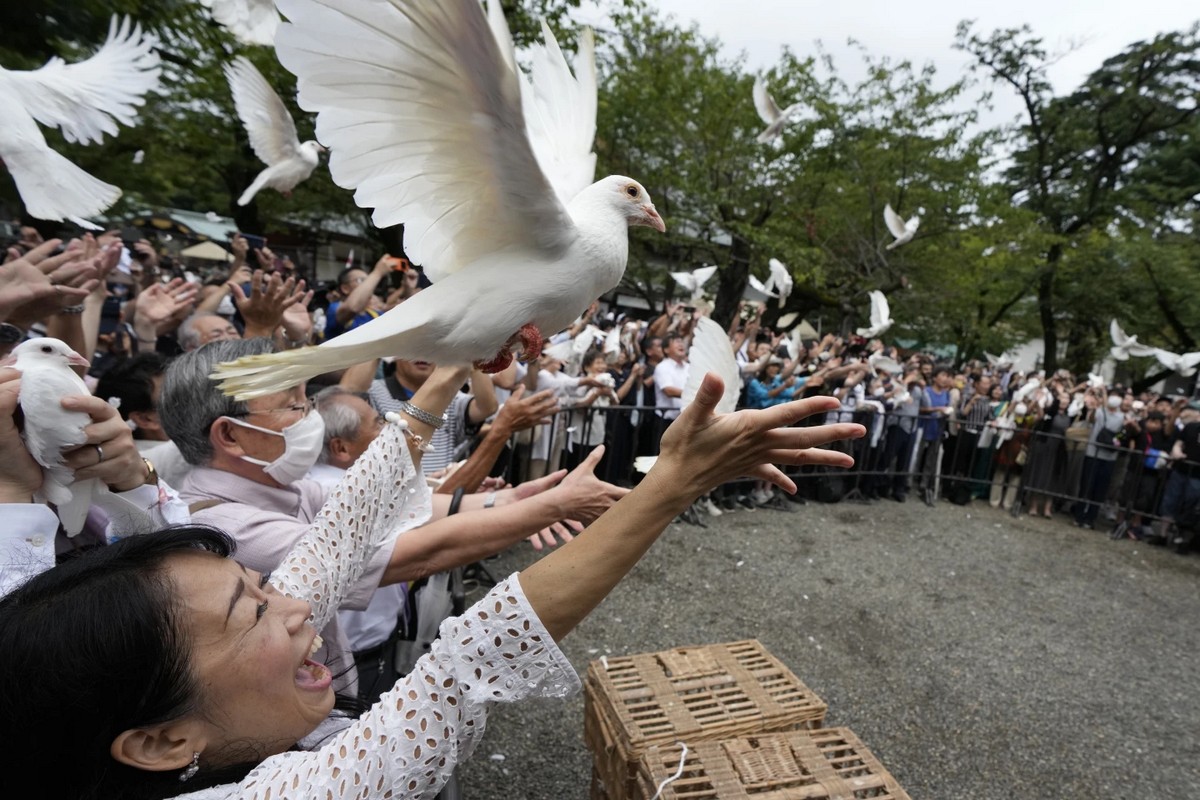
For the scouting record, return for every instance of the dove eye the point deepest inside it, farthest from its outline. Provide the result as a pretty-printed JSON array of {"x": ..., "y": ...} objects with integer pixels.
[
  {"x": 47, "y": 349},
  {"x": 632, "y": 191}
]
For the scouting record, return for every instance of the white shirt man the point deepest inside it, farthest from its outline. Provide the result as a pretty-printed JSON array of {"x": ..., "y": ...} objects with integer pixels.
[{"x": 670, "y": 376}]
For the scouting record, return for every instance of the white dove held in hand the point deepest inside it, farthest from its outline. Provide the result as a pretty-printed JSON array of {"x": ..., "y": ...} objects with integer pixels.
[
  {"x": 271, "y": 130},
  {"x": 46, "y": 378},
  {"x": 881, "y": 316},
  {"x": 483, "y": 164},
  {"x": 903, "y": 231}
]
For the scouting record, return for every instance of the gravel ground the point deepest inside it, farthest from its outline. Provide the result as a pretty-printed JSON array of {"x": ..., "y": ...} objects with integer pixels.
[{"x": 979, "y": 656}]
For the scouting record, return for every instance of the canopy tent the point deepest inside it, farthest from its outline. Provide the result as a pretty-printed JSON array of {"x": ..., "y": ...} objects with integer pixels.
[{"x": 206, "y": 251}]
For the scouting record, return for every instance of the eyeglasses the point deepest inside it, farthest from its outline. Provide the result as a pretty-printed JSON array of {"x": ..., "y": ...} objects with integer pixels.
[{"x": 297, "y": 408}]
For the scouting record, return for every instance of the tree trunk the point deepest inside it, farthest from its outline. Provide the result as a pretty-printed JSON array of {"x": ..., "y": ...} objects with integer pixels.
[
  {"x": 731, "y": 282},
  {"x": 1045, "y": 293}
]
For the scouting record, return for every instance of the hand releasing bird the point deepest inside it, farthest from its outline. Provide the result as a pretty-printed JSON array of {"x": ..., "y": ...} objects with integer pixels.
[
  {"x": 881, "y": 317},
  {"x": 1185, "y": 364},
  {"x": 250, "y": 21},
  {"x": 769, "y": 112},
  {"x": 710, "y": 352},
  {"x": 432, "y": 131},
  {"x": 85, "y": 101},
  {"x": 1125, "y": 346},
  {"x": 903, "y": 231},
  {"x": 780, "y": 279},
  {"x": 46, "y": 378},
  {"x": 693, "y": 282},
  {"x": 272, "y": 132}
]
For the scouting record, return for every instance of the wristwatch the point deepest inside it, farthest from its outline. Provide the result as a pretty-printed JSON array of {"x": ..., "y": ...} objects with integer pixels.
[{"x": 151, "y": 472}]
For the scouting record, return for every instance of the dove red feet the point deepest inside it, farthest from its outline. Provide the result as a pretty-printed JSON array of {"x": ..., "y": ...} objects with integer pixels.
[
  {"x": 531, "y": 342},
  {"x": 497, "y": 364}
]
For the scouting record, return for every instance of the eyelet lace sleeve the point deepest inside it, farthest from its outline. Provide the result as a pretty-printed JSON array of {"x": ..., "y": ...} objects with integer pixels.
[
  {"x": 380, "y": 492},
  {"x": 408, "y": 743}
]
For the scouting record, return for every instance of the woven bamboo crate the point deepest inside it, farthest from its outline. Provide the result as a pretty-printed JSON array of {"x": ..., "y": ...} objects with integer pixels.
[
  {"x": 598, "y": 790},
  {"x": 705, "y": 693},
  {"x": 826, "y": 764}
]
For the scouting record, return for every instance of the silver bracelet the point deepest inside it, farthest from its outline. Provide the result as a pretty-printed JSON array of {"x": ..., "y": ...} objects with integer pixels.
[
  {"x": 76, "y": 309},
  {"x": 490, "y": 500},
  {"x": 421, "y": 415}
]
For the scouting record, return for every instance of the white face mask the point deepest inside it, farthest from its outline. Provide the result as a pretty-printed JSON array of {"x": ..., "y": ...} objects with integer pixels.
[
  {"x": 1114, "y": 402},
  {"x": 302, "y": 442}
]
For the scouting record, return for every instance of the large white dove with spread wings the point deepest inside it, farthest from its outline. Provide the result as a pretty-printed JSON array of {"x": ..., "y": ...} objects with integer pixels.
[
  {"x": 710, "y": 352},
  {"x": 250, "y": 21},
  {"x": 901, "y": 230},
  {"x": 693, "y": 282},
  {"x": 769, "y": 112},
  {"x": 85, "y": 101},
  {"x": 1125, "y": 346},
  {"x": 1185, "y": 364},
  {"x": 881, "y": 316},
  {"x": 487, "y": 169},
  {"x": 756, "y": 291},
  {"x": 271, "y": 130}
]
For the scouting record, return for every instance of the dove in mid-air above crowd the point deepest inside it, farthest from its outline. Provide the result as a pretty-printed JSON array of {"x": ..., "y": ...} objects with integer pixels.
[
  {"x": 693, "y": 282},
  {"x": 770, "y": 114},
  {"x": 901, "y": 230},
  {"x": 710, "y": 352},
  {"x": 779, "y": 280},
  {"x": 881, "y": 316},
  {"x": 250, "y": 21},
  {"x": 886, "y": 363},
  {"x": 756, "y": 291},
  {"x": 1185, "y": 365},
  {"x": 1125, "y": 346},
  {"x": 85, "y": 100},
  {"x": 272, "y": 132},
  {"x": 47, "y": 377},
  {"x": 488, "y": 168}
]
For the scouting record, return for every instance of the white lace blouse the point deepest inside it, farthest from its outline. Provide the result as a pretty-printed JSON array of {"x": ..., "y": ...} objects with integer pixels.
[{"x": 406, "y": 745}]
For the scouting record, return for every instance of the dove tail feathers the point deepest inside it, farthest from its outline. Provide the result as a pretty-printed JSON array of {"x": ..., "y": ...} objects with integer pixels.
[
  {"x": 255, "y": 376},
  {"x": 252, "y": 189}
]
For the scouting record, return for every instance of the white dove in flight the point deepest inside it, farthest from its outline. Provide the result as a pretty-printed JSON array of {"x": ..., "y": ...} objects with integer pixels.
[
  {"x": 432, "y": 131},
  {"x": 46, "y": 378},
  {"x": 1185, "y": 364},
  {"x": 271, "y": 130},
  {"x": 780, "y": 279},
  {"x": 711, "y": 351},
  {"x": 903, "y": 231},
  {"x": 756, "y": 291},
  {"x": 881, "y": 318},
  {"x": 693, "y": 282},
  {"x": 85, "y": 101},
  {"x": 1125, "y": 346},
  {"x": 769, "y": 112},
  {"x": 886, "y": 363},
  {"x": 250, "y": 21}
]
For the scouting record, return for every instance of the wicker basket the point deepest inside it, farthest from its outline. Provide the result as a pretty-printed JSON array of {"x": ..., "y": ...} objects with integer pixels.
[
  {"x": 826, "y": 764},
  {"x": 695, "y": 694}
]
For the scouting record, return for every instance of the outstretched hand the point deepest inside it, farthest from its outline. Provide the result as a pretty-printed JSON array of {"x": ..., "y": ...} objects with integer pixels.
[{"x": 701, "y": 449}]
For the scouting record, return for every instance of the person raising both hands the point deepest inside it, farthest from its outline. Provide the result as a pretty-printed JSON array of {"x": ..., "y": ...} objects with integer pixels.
[{"x": 165, "y": 669}]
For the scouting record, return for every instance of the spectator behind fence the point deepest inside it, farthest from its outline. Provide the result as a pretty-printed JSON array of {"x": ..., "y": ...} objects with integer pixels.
[
  {"x": 1107, "y": 422},
  {"x": 1182, "y": 497}
]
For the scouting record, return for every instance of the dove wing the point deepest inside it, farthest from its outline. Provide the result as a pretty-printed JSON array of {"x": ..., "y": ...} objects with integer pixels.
[
  {"x": 703, "y": 276},
  {"x": 428, "y": 130},
  {"x": 880, "y": 312},
  {"x": 712, "y": 352},
  {"x": 764, "y": 104},
  {"x": 250, "y": 21},
  {"x": 560, "y": 111},
  {"x": 88, "y": 99},
  {"x": 1118, "y": 335},
  {"x": 756, "y": 292},
  {"x": 685, "y": 279},
  {"x": 612, "y": 342},
  {"x": 266, "y": 119},
  {"x": 895, "y": 225}
]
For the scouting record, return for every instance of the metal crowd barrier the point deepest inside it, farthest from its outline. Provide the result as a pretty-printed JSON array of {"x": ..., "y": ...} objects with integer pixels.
[{"x": 923, "y": 458}]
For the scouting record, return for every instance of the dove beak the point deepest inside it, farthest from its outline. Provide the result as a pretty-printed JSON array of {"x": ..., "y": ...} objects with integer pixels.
[
  {"x": 76, "y": 360},
  {"x": 321, "y": 149},
  {"x": 650, "y": 218}
]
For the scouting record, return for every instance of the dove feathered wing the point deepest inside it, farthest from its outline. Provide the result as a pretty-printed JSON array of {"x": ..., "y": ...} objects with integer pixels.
[
  {"x": 428, "y": 130},
  {"x": 895, "y": 224},
  {"x": 250, "y": 21},
  {"x": 88, "y": 99},
  {"x": 881, "y": 313},
  {"x": 764, "y": 104},
  {"x": 711, "y": 352},
  {"x": 270, "y": 127},
  {"x": 780, "y": 279}
]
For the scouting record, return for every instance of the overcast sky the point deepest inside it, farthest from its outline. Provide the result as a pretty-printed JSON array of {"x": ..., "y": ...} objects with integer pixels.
[{"x": 923, "y": 30}]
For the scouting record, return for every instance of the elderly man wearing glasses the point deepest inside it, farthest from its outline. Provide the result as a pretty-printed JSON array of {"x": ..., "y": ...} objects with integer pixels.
[{"x": 249, "y": 460}]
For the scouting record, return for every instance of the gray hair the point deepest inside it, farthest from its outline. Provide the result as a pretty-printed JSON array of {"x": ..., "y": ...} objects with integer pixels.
[
  {"x": 186, "y": 334},
  {"x": 341, "y": 421},
  {"x": 191, "y": 402}
]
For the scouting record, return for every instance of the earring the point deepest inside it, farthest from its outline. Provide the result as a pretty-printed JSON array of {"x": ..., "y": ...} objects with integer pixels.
[{"x": 191, "y": 769}]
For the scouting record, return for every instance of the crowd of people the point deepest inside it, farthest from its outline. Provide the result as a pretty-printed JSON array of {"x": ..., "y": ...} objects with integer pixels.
[{"x": 253, "y": 560}]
